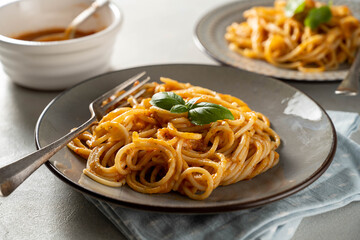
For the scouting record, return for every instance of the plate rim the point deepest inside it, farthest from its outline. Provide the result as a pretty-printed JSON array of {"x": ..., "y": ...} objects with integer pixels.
[
  {"x": 190, "y": 210},
  {"x": 199, "y": 42}
]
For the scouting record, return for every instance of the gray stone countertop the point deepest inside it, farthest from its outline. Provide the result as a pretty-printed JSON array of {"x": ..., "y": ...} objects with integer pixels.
[{"x": 44, "y": 207}]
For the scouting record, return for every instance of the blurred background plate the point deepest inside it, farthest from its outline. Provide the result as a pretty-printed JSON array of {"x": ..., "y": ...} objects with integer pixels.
[
  {"x": 307, "y": 148},
  {"x": 209, "y": 37}
]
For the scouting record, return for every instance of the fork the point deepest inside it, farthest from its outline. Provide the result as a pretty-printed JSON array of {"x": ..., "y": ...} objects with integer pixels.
[
  {"x": 15, "y": 172},
  {"x": 350, "y": 85}
]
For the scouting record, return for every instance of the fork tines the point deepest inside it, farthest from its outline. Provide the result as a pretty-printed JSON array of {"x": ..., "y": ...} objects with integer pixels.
[
  {"x": 128, "y": 92},
  {"x": 99, "y": 106}
]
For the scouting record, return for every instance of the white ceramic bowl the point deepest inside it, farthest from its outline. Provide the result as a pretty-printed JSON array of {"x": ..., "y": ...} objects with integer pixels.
[{"x": 55, "y": 65}]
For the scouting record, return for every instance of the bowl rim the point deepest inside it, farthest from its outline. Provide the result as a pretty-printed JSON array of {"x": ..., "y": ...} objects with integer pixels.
[{"x": 115, "y": 24}]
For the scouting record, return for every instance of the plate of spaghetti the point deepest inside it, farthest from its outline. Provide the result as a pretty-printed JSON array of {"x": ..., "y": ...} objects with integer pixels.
[
  {"x": 294, "y": 40},
  {"x": 197, "y": 140}
]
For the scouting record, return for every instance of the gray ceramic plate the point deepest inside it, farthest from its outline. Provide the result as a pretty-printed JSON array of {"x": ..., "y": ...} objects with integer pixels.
[
  {"x": 308, "y": 138},
  {"x": 209, "y": 37}
]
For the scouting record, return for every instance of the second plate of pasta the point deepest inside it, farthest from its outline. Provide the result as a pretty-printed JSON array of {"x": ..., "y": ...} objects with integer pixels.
[{"x": 228, "y": 35}]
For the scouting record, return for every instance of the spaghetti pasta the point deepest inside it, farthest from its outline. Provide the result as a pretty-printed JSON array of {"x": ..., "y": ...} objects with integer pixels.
[
  {"x": 286, "y": 42},
  {"x": 155, "y": 151}
]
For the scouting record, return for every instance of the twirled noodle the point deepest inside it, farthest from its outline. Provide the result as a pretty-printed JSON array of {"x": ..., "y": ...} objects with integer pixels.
[
  {"x": 155, "y": 151},
  {"x": 285, "y": 42}
]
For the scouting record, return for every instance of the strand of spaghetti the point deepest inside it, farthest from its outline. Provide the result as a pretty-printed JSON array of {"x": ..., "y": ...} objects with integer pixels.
[
  {"x": 234, "y": 168},
  {"x": 94, "y": 166},
  {"x": 211, "y": 151},
  {"x": 110, "y": 153},
  {"x": 79, "y": 148},
  {"x": 225, "y": 131},
  {"x": 103, "y": 181},
  {"x": 251, "y": 120},
  {"x": 209, "y": 183},
  {"x": 186, "y": 135}
]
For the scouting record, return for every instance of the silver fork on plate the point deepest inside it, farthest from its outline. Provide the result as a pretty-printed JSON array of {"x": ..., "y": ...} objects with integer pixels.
[
  {"x": 15, "y": 172},
  {"x": 350, "y": 85}
]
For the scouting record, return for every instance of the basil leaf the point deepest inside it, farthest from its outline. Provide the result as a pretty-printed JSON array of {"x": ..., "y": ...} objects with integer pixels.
[
  {"x": 191, "y": 102},
  {"x": 317, "y": 16},
  {"x": 166, "y": 100},
  {"x": 205, "y": 113},
  {"x": 179, "y": 109},
  {"x": 198, "y": 113},
  {"x": 294, "y": 6}
]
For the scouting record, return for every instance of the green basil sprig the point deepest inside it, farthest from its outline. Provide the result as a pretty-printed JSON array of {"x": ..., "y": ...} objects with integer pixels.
[
  {"x": 317, "y": 16},
  {"x": 166, "y": 100},
  {"x": 293, "y": 7},
  {"x": 198, "y": 113},
  {"x": 314, "y": 17}
]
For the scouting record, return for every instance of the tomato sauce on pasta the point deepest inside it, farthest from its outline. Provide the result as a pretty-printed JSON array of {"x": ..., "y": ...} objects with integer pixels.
[{"x": 155, "y": 151}]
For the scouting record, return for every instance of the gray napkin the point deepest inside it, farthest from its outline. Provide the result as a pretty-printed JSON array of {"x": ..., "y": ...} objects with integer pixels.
[{"x": 337, "y": 187}]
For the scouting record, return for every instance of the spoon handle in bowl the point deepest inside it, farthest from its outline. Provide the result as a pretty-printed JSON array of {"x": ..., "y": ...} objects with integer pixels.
[{"x": 70, "y": 31}]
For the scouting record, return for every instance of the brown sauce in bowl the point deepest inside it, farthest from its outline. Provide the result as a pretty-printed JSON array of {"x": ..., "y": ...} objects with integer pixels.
[{"x": 52, "y": 34}]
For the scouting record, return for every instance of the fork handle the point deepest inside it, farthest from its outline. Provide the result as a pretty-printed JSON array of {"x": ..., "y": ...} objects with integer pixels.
[
  {"x": 15, "y": 172},
  {"x": 350, "y": 85}
]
